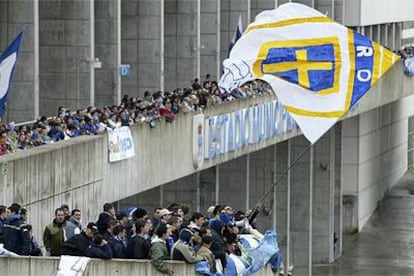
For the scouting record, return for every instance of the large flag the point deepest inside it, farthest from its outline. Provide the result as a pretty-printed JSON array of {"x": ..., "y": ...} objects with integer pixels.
[
  {"x": 318, "y": 68},
  {"x": 237, "y": 34},
  {"x": 8, "y": 60}
]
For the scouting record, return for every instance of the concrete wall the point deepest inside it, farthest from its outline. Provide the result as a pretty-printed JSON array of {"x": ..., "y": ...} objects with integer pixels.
[
  {"x": 181, "y": 43},
  {"x": 35, "y": 266},
  {"x": 141, "y": 45},
  {"x": 64, "y": 45},
  {"x": 371, "y": 12},
  {"x": 230, "y": 11},
  {"x": 209, "y": 37},
  {"x": 376, "y": 154},
  {"x": 106, "y": 47}
]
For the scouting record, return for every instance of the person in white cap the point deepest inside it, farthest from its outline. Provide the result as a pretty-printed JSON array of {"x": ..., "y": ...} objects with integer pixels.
[{"x": 165, "y": 215}]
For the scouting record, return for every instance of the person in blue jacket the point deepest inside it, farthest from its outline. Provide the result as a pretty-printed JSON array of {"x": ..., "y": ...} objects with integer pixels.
[{"x": 99, "y": 249}]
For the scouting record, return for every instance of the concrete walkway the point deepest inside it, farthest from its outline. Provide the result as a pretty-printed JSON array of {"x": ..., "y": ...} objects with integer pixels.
[{"x": 385, "y": 245}]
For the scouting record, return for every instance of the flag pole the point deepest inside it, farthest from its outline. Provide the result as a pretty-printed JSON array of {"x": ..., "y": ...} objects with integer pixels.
[{"x": 284, "y": 173}]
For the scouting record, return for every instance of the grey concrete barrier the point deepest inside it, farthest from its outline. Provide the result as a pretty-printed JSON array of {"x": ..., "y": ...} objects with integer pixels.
[{"x": 45, "y": 266}]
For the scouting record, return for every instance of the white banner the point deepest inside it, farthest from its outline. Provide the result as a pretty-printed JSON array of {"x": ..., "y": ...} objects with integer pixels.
[
  {"x": 72, "y": 266},
  {"x": 198, "y": 140},
  {"x": 120, "y": 144}
]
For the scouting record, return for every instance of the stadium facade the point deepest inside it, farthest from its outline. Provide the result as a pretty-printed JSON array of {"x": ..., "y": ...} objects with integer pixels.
[{"x": 72, "y": 56}]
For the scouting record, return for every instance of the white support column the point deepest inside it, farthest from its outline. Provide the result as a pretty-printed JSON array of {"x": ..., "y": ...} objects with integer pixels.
[
  {"x": 218, "y": 42},
  {"x": 310, "y": 210},
  {"x": 379, "y": 33},
  {"x": 333, "y": 9},
  {"x": 217, "y": 189},
  {"x": 36, "y": 96},
  {"x": 276, "y": 3},
  {"x": 92, "y": 52},
  {"x": 288, "y": 261},
  {"x": 198, "y": 69},
  {"x": 386, "y": 35},
  {"x": 247, "y": 181},
  {"x": 249, "y": 11},
  {"x": 118, "y": 56},
  {"x": 393, "y": 36},
  {"x": 162, "y": 50}
]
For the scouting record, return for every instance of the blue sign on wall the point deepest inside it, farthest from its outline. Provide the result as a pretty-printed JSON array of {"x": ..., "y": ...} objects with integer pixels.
[{"x": 124, "y": 70}]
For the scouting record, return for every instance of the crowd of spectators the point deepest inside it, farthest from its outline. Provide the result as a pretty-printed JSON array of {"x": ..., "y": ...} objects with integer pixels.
[
  {"x": 406, "y": 52},
  {"x": 150, "y": 109},
  {"x": 172, "y": 233},
  {"x": 407, "y": 55}
]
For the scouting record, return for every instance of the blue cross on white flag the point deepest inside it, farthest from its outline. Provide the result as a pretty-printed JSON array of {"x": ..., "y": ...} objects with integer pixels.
[
  {"x": 8, "y": 60},
  {"x": 318, "y": 68}
]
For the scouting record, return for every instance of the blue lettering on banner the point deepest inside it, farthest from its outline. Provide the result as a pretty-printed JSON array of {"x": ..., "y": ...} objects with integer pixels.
[
  {"x": 233, "y": 131},
  {"x": 230, "y": 133},
  {"x": 211, "y": 138},
  {"x": 223, "y": 119},
  {"x": 246, "y": 129},
  {"x": 219, "y": 125},
  {"x": 237, "y": 130},
  {"x": 364, "y": 59},
  {"x": 125, "y": 144},
  {"x": 253, "y": 126},
  {"x": 262, "y": 129},
  {"x": 279, "y": 118}
]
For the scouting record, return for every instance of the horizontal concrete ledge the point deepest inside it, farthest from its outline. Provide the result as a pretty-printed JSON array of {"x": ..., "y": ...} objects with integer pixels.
[
  {"x": 35, "y": 266},
  {"x": 48, "y": 148}
]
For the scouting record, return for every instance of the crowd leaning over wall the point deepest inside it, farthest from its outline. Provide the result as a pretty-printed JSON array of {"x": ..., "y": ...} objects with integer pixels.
[
  {"x": 216, "y": 243},
  {"x": 407, "y": 56},
  {"x": 150, "y": 109}
]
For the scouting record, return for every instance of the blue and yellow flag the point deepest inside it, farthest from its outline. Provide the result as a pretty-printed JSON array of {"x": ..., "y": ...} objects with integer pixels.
[{"x": 318, "y": 68}]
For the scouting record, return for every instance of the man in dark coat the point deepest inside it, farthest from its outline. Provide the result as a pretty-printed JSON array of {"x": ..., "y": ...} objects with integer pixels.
[
  {"x": 141, "y": 246},
  {"x": 77, "y": 245},
  {"x": 99, "y": 249},
  {"x": 104, "y": 217},
  {"x": 16, "y": 233}
]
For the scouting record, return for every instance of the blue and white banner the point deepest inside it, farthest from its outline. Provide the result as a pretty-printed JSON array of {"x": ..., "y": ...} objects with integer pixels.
[
  {"x": 237, "y": 34},
  {"x": 8, "y": 59},
  {"x": 318, "y": 68},
  {"x": 198, "y": 140},
  {"x": 120, "y": 144}
]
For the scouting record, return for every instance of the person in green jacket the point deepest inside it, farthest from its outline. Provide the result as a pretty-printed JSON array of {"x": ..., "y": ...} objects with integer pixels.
[
  {"x": 54, "y": 234},
  {"x": 159, "y": 251}
]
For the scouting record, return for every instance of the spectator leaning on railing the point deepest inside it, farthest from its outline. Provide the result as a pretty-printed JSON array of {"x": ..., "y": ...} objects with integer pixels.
[{"x": 150, "y": 109}]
